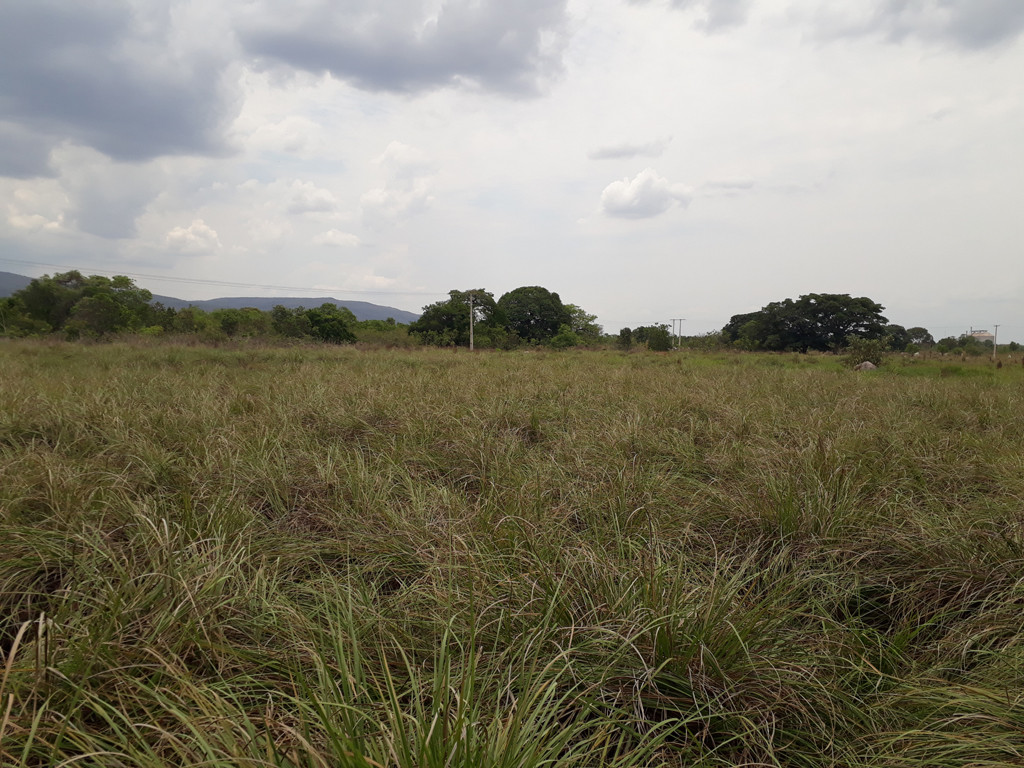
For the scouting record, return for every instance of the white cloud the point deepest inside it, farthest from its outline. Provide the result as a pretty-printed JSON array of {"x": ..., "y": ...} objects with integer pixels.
[
  {"x": 337, "y": 238},
  {"x": 645, "y": 195},
  {"x": 408, "y": 189},
  {"x": 726, "y": 186},
  {"x": 404, "y": 161},
  {"x": 654, "y": 148},
  {"x": 397, "y": 200},
  {"x": 38, "y": 205},
  {"x": 306, "y": 197},
  {"x": 293, "y": 134},
  {"x": 197, "y": 238}
]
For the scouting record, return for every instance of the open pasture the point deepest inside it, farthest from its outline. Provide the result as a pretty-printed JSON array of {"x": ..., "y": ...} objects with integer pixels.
[{"x": 340, "y": 557}]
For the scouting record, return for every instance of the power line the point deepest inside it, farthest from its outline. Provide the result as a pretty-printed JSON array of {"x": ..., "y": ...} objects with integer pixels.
[{"x": 224, "y": 283}]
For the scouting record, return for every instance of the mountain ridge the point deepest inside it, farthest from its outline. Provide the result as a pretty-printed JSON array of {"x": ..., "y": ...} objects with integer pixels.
[{"x": 11, "y": 282}]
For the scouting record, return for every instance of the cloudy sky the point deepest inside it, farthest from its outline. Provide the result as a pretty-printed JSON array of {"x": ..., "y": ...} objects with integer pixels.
[{"x": 646, "y": 159}]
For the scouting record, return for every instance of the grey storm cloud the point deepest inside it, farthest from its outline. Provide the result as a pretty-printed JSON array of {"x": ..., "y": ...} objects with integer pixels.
[
  {"x": 404, "y": 46},
  {"x": 970, "y": 24},
  {"x": 23, "y": 153},
  {"x": 105, "y": 75}
]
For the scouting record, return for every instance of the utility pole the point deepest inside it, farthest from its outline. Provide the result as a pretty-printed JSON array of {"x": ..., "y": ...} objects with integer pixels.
[
  {"x": 677, "y": 336},
  {"x": 995, "y": 342},
  {"x": 471, "y": 313}
]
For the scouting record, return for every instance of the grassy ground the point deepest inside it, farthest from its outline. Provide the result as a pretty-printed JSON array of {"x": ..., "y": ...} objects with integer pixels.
[{"x": 336, "y": 557}]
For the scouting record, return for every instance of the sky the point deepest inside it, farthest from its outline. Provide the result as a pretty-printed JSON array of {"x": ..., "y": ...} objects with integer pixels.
[{"x": 645, "y": 159}]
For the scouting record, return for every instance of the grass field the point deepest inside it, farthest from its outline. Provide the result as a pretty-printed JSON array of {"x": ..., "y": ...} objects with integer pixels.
[{"x": 338, "y": 557}]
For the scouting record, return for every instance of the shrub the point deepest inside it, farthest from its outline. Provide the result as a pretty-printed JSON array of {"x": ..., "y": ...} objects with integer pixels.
[{"x": 859, "y": 350}]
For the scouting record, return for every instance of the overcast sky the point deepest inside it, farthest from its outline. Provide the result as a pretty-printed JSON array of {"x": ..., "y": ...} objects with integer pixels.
[{"x": 646, "y": 159}]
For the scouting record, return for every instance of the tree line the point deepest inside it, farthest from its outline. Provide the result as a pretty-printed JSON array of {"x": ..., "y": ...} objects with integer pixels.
[
  {"x": 832, "y": 322},
  {"x": 75, "y": 306},
  {"x": 527, "y": 315}
]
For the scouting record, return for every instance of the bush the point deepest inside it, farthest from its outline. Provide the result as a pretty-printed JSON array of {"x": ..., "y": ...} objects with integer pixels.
[
  {"x": 625, "y": 339},
  {"x": 859, "y": 350},
  {"x": 565, "y": 338}
]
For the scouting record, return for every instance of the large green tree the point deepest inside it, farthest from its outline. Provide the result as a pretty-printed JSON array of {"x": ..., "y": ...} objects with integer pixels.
[
  {"x": 446, "y": 323},
  {"x": 820, "y": 321},
  {"x": 331, "y": 323},
  {"x": 15, "y": 321},
  {"x": 583, "y": 323},
  {"x": 93, "y": 305},
  {"x": 533, "y": 313},
  {"x": 898, "y": 337},
  {"x": 921, "y": 336}
]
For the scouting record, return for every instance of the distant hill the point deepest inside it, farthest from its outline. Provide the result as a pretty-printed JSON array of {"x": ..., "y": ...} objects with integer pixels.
[
  {"x": 10, "y": 282},
  {"x": 363, "y": 310}
]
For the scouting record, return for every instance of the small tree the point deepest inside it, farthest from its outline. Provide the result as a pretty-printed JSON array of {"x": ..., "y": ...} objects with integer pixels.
[
  {"x": 656, "y": 337},
  {"x": 625, "y": 339},
  {"x": 920, "y": 336},
  {"x": 860, "y": 350},
  {"x": 583, "y": 324},
  {"x": 566, "y": 337}
]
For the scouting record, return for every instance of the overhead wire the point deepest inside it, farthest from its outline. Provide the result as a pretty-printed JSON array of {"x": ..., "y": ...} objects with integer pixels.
[{"x": 224, "y": 283}]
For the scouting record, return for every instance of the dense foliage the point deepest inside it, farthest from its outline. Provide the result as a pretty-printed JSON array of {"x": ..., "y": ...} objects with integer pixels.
[
  {"x": 72, "y": 306},
  {"x": 819, "y": 321},
  {"x": 527, "y": 315},
  {"x": 533, "y": 313},
  {"x": 446, "y": 323},
  {"x": 75, "y": 306}
]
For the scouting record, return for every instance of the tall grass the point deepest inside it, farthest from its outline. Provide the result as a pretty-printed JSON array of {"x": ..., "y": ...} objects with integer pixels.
[{"x": 338, "y": 557}]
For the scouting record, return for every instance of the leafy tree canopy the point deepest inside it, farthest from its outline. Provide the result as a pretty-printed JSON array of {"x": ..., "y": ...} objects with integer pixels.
[
  {"x": 898, "y": 338},
  {"x": 920, "y": 336},
  {"x": 583, "y": 324},
  {"x": 625, "y": 338},
  {"x": 94, "y": 305},
  {"x": 533, "y": 313},
  {"x": 656, "y": 337},
  {"x": 447, "y": 322},
  {"x": 821, "y": 321},
  {"x": 330, "y": 323}
]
